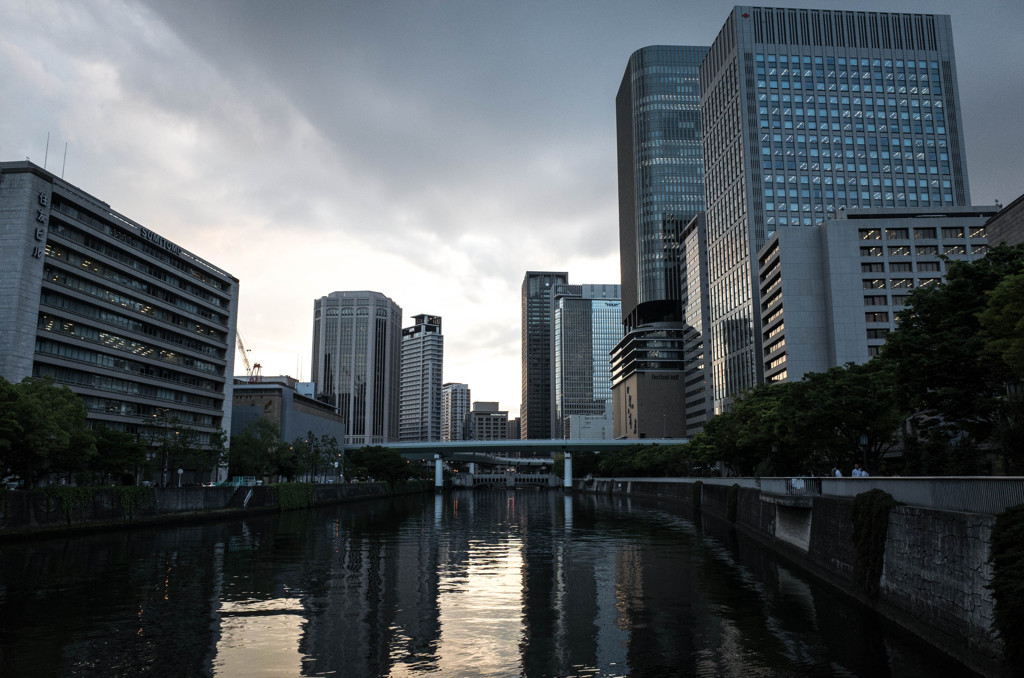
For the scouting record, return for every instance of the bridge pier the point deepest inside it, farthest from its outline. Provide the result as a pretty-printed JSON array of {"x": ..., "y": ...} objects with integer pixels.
[
  {"x": 568, "y": 471},
  {"x": 438, "y": 473}
]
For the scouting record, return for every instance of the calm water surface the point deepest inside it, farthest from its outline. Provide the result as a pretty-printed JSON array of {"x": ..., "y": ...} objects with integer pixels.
[{"x": 493, "y": 583}]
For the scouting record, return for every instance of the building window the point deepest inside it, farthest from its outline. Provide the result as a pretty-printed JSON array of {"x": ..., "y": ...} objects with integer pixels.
[
  {"x": 950, "y": 232},
  {"x": 926, "y": 250},
  {"x": 875, "y": 300},
  {"x": 874, "y": 284},
  {"x": 900, "y": 267},
  {"x": 872, "y": 268},
  {"x": 897, "y": 234},
  {"x": 870, "y": 234},
  {"x": 878, "y": 332},
  {"x": 928, "y": 266},
  {"x": 902, "y": 283},
  {"x": 954, "y": 249},
  {"x": 899, "y": 251},
  {"x": 923, "y": 233},
  {"x": 871, "y": 251},
  {"x": 876, "y": 317}
]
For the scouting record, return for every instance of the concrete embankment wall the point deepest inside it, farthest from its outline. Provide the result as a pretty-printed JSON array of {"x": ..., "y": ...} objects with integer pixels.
[
  {"x": 935, "y": 569},
  {"x": 29, "y": 512}
]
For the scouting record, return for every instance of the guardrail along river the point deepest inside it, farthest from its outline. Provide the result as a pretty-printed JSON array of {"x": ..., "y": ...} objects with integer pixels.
[{"x": 491, "y": 583}]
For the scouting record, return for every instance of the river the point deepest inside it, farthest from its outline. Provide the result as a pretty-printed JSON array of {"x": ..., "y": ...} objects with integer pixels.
[{"x": 486, "y": 583}]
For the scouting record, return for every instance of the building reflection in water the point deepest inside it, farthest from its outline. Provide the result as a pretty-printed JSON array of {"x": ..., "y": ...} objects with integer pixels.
[{"x": 496, "y": 582}]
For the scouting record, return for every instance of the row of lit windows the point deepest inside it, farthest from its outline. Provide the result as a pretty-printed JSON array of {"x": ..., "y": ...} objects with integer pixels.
[
  {"x": 948, "y": 232},
  {"x": 922, "y": 250}
]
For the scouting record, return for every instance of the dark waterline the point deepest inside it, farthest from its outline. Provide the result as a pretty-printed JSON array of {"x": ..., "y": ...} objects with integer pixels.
[{"x": 494, "y": 583}]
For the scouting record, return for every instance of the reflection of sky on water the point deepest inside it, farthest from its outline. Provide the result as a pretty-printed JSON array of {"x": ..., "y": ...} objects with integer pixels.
[
  {"x": 471, "y": 584},
  {"x": 259, "y": 638}
]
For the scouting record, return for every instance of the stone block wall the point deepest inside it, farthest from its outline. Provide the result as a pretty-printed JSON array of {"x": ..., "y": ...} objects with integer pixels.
[{"x": 936, "y": 568}]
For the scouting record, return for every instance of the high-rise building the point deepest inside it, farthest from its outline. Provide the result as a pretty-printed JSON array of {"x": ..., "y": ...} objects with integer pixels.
[
  {"x": 807, "y": 112},
  {"x": 661, "y": 189},
  {"x": 487, "y": 422},
  {"x": 696, "y": 324},
  {"x": 830, "y": 293},
  {"x": 537, "y": 410},
  {"x": 356, "y": 362},
  {"x": 419, "y": 416},
  {"x": 454, "y": 411},
  {"x": 587, "y": 325},
  {"x": 140, "y": 328}
]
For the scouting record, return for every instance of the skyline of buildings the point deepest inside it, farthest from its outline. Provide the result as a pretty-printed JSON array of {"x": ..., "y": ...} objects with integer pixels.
[{"x": 855, "y": 111}]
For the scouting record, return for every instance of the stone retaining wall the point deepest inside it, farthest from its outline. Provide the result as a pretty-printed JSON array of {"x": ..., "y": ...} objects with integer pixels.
[{"x": 935, "y": 570}]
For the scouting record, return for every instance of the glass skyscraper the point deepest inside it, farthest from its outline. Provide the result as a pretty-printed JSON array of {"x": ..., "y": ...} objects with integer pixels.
[
  {"x": 808, "y": 112},
  {"x": 588, "y": 324},
  {"x": 661, "y": 184},
  {"x": 661, "y": 189}
]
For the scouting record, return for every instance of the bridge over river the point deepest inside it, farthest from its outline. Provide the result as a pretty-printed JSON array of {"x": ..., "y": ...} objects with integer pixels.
[{"x": 510, "y": 462}]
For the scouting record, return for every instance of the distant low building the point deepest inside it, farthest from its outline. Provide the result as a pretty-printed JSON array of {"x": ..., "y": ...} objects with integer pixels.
[
  {"x": 280, "y": 400},
  {"x": 1007, "y": 226},
  {"x": 487, "y": 422}
]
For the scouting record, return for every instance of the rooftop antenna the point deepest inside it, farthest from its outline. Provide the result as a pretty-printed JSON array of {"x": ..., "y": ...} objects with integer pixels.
[
  {"x": 65, "y": 160},
  {"x": 46, "y": 154}
]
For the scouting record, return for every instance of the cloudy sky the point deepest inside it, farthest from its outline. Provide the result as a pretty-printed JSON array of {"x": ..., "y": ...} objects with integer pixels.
[{"x": 433, "y": 151}]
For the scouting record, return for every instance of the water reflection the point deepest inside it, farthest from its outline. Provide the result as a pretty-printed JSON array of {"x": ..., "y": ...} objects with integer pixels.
[{"x": 494, "y": 583}]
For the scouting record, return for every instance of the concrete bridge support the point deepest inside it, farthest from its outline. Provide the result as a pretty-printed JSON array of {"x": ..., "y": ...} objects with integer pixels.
[
  {"x": 568, "y": 471},
  {"x": 438, "y": 472}
]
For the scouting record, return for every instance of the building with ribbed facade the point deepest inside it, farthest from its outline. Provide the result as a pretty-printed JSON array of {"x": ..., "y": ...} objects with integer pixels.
[
  {"x": 661, "y": 189},
  {"x": 808, "y": 112},
  {"x": 454, "y": 411},
  {"x": 356, "y": 362},
  {"x": 587, "y": 326},
  {"x": 830, "y": 293},
  {"x": 422, "y": 367},
  {"x": 139, "y": 327}
]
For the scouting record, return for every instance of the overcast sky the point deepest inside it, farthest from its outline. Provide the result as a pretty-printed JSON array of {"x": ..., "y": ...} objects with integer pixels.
[{"x": 431, "y": 151}]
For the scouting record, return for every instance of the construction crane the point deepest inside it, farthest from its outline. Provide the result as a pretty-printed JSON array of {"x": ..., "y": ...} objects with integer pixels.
[{"x": 253, "y": 372}]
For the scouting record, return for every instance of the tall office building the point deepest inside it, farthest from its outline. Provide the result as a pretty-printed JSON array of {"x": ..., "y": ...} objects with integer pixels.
[
  {"x": 356, "y": 362},
  {"x": 454, "y": 412},
  {"x": 661, "y": 189},
  {"x": 419, "y": 416},
  {"x": 537, "y": 410},
  {"x": 140, "y": 328},
  {"x": 587, "y": 326},
  {"x": 808, "y": 112}
]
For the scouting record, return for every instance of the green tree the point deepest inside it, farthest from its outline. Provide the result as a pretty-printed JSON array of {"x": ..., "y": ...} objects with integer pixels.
[
  {"x": 316, "y": 454},
  {"x": 257, "y": 450},
  {"x": 844, "y": 416},
  {"x": 379, "y": 463},
  {"x": 943, "y": 372},
  {"x": 44, "y": 430},
  {"x": 119, "y": 455}
]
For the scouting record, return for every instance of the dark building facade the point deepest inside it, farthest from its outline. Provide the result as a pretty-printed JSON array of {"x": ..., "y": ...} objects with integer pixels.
[
  {"x": 809, "y": 112},
  {"x": 537, "y": 410}
]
